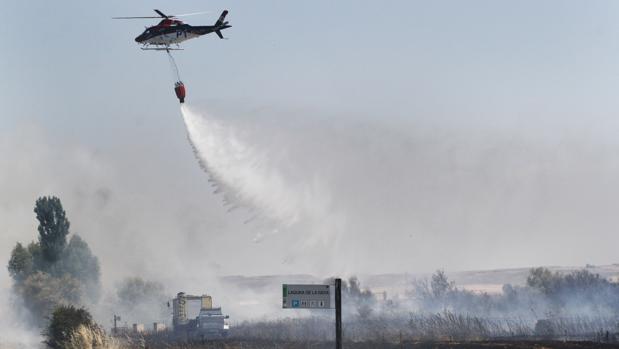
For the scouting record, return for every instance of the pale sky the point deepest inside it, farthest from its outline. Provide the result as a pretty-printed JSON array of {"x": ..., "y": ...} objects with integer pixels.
[{"x": 449, "y": 134}]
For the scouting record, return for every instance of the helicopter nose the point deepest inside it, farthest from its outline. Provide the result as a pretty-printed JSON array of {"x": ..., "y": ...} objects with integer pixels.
[{"x": 140, "y": 38}]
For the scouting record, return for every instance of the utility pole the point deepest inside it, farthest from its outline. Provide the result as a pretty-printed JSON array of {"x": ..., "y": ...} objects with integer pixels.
[
  {"x": 338, "y": 313},
  {"x": 116, "y": 318}
]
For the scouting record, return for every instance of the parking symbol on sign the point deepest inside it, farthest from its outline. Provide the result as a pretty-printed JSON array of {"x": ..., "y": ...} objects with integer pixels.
[{"x": 295, "y": 303}]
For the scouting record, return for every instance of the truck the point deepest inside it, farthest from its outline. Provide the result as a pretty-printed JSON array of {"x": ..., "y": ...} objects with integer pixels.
[{"x": 195, "y": 318}]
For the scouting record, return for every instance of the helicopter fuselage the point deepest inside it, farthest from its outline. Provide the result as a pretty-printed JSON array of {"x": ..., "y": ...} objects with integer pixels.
[
  {"x": 172, "y": 31},
  {"x": 174, "y": 34}
]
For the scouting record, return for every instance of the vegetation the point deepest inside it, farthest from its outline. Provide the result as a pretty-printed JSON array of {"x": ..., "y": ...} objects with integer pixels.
[
  {"x": 65, "y": 320},
  {"x": 142, "y": 301},
  {"x": 90, "y": 337},
  {"x": 53, "y": 227},
  {"x": 52, "y": 272},
  {"x": 572, "y": 306},
  {"x": 57, "y": 274},
  {"x": 545, "y": 295},
  {"x": 357, "y": 301}
]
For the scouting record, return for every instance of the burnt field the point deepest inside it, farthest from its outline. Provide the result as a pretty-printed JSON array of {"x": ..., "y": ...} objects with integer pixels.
[{"x": 507, "y": 344}]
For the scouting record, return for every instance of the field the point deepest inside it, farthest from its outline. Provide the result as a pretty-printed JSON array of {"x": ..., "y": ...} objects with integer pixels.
[{"x": 412, "y": 345}]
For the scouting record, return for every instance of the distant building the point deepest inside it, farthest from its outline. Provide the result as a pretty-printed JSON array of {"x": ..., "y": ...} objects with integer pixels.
[
  {"x": 138, "y": 328},
  {"x": 121, "y": 331},
  {"x": 158, "y": 327}
]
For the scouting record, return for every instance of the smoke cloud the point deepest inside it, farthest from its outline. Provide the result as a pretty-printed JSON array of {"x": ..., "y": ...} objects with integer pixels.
[
  {"x": 316, "y": 193},
  {"x": 415, "y": 195}
]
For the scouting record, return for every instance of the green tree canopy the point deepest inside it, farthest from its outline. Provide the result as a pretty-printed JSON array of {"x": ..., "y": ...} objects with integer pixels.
[
  {"x": 66, "y": 319},
  {"x": 43, "y": 292},
  {"x": 78, "y": 261},
  {"x": 53, "y": 227},
  {"x": 50, "y": 272},
  {"x": 20, "y": 264}
]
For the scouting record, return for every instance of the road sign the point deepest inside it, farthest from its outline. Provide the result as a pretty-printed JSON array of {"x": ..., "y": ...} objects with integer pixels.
[
  {"x": 316, "y": 297},
  {"x": 306, "y": 296}
]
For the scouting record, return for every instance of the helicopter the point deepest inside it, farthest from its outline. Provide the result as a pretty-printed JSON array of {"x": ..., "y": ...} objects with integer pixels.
[{"x": 171, "y": 31}]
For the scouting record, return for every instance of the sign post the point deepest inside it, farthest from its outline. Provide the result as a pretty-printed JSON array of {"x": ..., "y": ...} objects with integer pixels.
[
  {"x": 338, "y": 313},
  {"x": 315, "y": 297}
]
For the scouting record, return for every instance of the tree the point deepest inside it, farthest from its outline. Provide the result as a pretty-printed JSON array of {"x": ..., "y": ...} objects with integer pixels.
[
  {"x": 38, "y": 262},
  {"x": 440, "y": 284},
  {"x": 42, "y": 293},
  {"x": 20, "y": 264},
  {"x": 66, "y": 319},
  {"x": 133, "y": 290},
  {"x": 78, "y": 261},
  {"x": 543, "y": 280},
  {"x": 142, "y": 300},
  {"x": 583, "y": 280},
  {"x": 53, "y": 227},
  {"x": 50, "y": 272}
]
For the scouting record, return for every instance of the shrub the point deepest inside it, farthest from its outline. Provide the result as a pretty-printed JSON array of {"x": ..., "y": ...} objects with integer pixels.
[{"x": 66, "y": 320}]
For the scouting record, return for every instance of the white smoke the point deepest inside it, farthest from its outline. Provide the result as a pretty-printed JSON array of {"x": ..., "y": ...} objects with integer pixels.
[
  {"x": 342, "y": 194},
  {"x": 347, "y": 188},
  {"x": 14, "y": 332}
]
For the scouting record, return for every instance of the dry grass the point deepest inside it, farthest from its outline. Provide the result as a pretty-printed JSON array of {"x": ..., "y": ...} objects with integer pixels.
[{"x": 92, "y": 338}]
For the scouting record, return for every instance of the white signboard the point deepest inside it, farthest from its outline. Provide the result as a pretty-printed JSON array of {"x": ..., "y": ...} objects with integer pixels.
[{"x": 306, "y": 296}]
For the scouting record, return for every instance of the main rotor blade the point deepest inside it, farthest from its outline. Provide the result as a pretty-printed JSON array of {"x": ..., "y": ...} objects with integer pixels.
[
  {"x": 161, "y": 14},
  {"x": 135, "y": 17},
  {"x": 192, "y": 14}
]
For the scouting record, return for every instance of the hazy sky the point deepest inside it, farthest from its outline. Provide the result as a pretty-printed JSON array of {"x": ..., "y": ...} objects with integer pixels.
[{"x": 447, "y": 134}]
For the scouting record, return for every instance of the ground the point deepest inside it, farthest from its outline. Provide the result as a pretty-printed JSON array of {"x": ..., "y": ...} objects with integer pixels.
[{"x": 410, "y": 345}]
